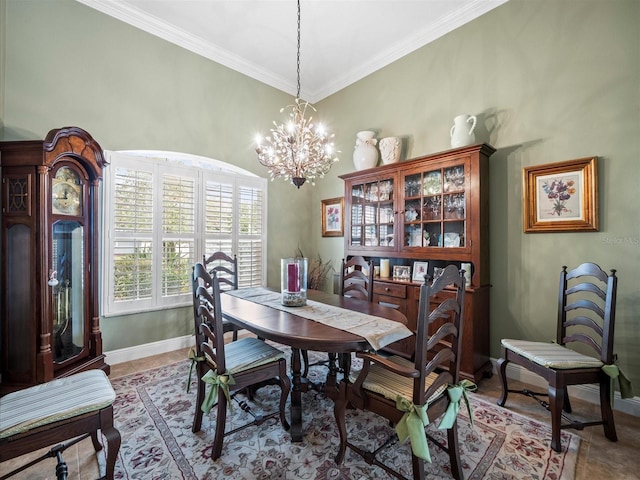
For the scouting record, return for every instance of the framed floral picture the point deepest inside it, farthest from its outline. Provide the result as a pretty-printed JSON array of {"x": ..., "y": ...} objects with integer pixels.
[
  {"x": 333, "y": 217},
  {"x": 561, "y": 197}
]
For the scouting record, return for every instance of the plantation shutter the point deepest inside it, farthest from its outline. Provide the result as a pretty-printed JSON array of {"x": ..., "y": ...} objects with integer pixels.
[
  {"x": 218, "y": 225},
  {"x": 133, "y": 227},
  {"x": 163, "y": 212},
  {"x": 178, "y": 233},
  {"x": 250, "y": 236}
]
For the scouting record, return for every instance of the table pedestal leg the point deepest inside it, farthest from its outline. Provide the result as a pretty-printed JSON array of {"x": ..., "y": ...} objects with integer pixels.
[
  {"x": 296, "y": 396},
  {"x": 330, "y": 385},
  {"x": 345, "y": 365}
]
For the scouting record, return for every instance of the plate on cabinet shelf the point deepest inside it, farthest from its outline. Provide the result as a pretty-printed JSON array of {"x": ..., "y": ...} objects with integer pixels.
[
  {"x": 432, "y": 183},
  {"x": 451, "y": 240}
]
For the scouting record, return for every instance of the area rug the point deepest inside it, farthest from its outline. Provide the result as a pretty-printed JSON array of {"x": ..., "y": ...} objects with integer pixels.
[{"x": 153, "y": 413}]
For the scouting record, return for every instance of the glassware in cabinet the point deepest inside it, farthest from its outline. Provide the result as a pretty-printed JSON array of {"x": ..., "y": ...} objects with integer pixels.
[{"x": 435, "y": 207}]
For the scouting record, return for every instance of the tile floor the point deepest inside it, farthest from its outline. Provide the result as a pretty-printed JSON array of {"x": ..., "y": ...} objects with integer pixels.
[{"x": 598, "y": 458}]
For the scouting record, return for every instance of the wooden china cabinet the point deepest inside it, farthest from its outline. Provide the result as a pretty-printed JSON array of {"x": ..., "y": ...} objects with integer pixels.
[
  {"x": 431, "y": 209},
  {"x": 49, "y": 249}
]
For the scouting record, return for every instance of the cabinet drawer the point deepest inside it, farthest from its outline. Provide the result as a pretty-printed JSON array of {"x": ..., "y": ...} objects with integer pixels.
[
  {"x": 392, "y": 302},
  {"x": 390, "y": 289}
]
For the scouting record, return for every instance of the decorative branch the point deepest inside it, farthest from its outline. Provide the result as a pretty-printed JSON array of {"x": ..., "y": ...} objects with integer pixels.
[{"x": 318, "y": 271}]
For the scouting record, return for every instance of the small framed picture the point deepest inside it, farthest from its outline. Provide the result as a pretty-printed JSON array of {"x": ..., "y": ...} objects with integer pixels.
[
  {"x": 402, "y": 272},
  {"x": 419, "y": 271},
  {"x": 333, "y": 217},
  {"x": 437, "y": 272}
]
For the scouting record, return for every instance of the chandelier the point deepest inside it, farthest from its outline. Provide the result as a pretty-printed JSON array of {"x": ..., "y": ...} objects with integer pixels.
[{"x": 299, "y": 150}]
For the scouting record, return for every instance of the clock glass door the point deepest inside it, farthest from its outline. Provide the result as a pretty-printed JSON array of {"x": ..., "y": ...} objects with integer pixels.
[{"x": 67, "y": 289}]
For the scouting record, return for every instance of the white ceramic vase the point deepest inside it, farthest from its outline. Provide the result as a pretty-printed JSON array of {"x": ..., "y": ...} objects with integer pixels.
[
  {"x": 390, "y": 150},
  {"x": 462, "y": 131},
  {"x": 365, "y": 153}
]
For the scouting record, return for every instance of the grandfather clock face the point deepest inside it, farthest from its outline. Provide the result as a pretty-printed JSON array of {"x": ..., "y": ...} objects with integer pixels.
[{"x": 66, "y": 191}]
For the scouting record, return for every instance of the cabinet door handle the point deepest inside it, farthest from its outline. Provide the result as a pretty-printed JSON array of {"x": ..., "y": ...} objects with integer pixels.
[{"x": 386, "y": 289}]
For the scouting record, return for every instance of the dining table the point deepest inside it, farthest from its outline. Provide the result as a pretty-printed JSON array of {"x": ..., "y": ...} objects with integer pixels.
[{"x": 325, "y": 324}]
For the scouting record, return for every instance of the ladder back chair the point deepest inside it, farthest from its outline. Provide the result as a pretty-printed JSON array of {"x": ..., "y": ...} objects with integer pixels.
[
  {"x": 226, "y": 269},
  {"x": 392, "y": 386},
  {"x": 354, "y": 282},
  {"x": 356, "y": 278},
  {"x": 586, "y": 315},
  {"x": 230, "y": 368}
]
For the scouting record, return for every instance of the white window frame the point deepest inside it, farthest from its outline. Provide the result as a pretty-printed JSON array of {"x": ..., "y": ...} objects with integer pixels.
[{"x": 202, "y": 169}]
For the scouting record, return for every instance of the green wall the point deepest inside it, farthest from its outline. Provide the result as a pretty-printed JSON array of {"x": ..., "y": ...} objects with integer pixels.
[
  {"x": 68, "y": 64},
  {"x": 549, "y": 81}
]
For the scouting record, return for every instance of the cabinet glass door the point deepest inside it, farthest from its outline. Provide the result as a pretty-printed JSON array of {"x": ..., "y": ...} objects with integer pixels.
[
  {"x": 66, "y": 281},
  {"x": 372, "y": 214},
  {"x": 435, "y": 208}
]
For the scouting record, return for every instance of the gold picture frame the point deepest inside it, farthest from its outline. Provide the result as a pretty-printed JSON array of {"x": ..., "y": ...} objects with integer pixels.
[
  {"x": 561, "y": 197},
  {"x": 333, "y": 217}
]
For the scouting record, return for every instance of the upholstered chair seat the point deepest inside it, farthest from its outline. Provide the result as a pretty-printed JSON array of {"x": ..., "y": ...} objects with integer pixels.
[
  {"x": 551, "y": 355},
  {"x": 247, "y": 353},
  {"x": 66, "y": 409},
  {"x": 390, "y": 385}
]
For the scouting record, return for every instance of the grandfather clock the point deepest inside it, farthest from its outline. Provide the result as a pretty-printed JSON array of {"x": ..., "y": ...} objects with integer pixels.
[{"x": 49, "y": 249}]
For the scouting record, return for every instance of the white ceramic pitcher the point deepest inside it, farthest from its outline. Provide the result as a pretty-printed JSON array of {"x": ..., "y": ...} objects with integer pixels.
[{"x": 462, "y": 131}]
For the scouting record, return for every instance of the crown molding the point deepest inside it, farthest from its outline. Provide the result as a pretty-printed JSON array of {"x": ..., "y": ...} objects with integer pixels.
[{"x": 131, "y": 15}]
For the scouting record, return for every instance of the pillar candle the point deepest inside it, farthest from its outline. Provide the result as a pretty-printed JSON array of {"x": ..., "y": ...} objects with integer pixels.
[
  {"x": 384, "y": 267},
  {"x": 292, "y": 277}
]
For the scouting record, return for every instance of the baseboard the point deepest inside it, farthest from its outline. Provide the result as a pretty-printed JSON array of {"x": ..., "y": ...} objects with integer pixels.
[
  {"x": 588, "y": 393},
  {"x": 148, "y": 349}
]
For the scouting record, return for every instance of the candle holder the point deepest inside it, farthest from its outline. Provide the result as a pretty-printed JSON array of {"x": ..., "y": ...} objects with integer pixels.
[{"x": 293, "y": 281}]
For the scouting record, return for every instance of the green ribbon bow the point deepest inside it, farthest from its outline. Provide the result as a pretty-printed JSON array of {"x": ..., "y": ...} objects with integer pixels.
[
  {"x": 194, "y": 359},
  {"x": 626, "y": 390},
  {"x": 217, "y": 382},
  {"x": 456, "y": 392},
  {"x": 411, "y": 426}
]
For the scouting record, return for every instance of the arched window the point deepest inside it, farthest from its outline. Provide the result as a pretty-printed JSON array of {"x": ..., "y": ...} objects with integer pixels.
[{"x": 163, "y": 212}]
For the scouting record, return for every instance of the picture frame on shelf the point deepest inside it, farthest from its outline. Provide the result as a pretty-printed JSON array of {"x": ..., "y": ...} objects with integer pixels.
[
  {"x": 333, "y": 217},
  {"x": 561, "y": 197},
  {"x": 419, "y": 271},
  {"x": 402, "y": 272},
  {"x": 437, "y": 271}
]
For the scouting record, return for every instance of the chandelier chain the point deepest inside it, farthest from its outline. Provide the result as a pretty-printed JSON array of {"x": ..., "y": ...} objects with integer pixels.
[{"x": 298, "y": 57}]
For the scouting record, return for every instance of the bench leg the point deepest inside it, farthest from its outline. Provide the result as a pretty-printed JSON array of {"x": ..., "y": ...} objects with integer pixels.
[{"x": 112, "y": 436}]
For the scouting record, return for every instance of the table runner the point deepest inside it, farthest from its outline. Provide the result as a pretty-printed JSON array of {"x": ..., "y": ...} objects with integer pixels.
[{"x": 378, "y": 331}]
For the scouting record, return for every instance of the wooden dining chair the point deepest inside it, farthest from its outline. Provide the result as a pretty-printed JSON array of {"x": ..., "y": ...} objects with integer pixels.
[
  {"x": 392, "y": 386},
  {"x": 586, "y": 315},
  {"x": 231, "y": 368},
  {"x": 202, "y": 277},
  {"x": 226, "y": 269},
  {"x": 356, "y": 278}
]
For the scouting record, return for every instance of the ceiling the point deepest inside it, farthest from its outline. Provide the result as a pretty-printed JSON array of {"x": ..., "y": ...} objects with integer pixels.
[{"x": 342, "y": 41}]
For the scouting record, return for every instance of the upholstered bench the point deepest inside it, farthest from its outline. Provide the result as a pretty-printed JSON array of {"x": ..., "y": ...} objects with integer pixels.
[{"x": 62, "y": 409}]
